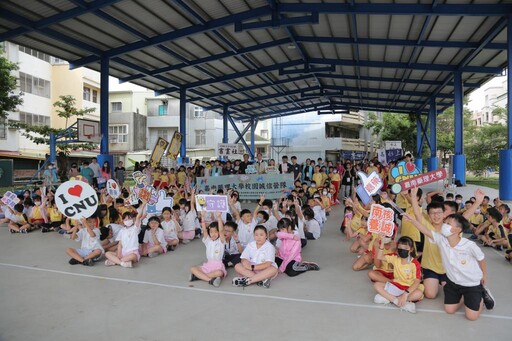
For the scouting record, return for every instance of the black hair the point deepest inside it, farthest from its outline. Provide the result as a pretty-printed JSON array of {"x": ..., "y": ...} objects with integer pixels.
[
  {"x": 18, "y": 208},
  {"x": 154, "y": 218},
  {"x": 437, "y": 198},
  {"x": 308, "y": 213},
  {"x": 419, "y": 194},
  {"x": 285, "y": 223},
  {"x": 268, "y": 203},
  {"x": 458, "y": 196},
  {"x": 213, "y": 225},
  {"x": 182, "y": 201},
  {"x": 113, "y": 214},
  {"x": 435, "y": 204},
  {"x": 505, "y": 207},
  {"x": 37, "y": 197},
  {"x": 176, "y": 207},
  {"x": 487, "y": 197},
  {"x": 451, "y": 204},
  {"x": 119, "y": 201},
  {"x": 260, "y": 227},
  {"x": 264, "y": 215},
  {"x": 449, "y": 195},
  {"x": 409, "y": 242},
  {"x": 168, "y": 209},
  {"x": 495, "y": 214},
  {"x": 462, "y": 222},
  {"x": 231, "y": 224},
  {"x": 244, "y": 211},
  {"x": 127, "y": 215}
]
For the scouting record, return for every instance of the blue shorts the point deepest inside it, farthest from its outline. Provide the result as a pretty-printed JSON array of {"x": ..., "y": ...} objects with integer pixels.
[
  {"x": 431, "y": 274},
  {"x": 86, "y": 252}
]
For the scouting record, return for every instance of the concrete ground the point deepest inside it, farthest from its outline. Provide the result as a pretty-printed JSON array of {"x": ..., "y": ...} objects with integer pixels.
[{"x": 44, "y": 298}]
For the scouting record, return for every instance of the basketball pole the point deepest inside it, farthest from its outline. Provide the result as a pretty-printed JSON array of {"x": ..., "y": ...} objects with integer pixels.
[{"x": 104, "y": 155}]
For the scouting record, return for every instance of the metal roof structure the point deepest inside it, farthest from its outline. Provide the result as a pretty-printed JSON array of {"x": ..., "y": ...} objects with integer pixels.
[{"x": 264, "y": 59}]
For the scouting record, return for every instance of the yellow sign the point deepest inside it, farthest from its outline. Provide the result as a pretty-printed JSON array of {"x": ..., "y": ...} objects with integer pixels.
[
  {"x": 158, "y": 151},
  {"x": 174, "y": 148}
]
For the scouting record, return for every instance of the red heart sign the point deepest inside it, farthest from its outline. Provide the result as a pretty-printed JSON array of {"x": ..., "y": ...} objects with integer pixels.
[
  {"x": 75, "y": 191},
  {"x": 114, "y": 186},
  {"x": 410, "y": 167}
]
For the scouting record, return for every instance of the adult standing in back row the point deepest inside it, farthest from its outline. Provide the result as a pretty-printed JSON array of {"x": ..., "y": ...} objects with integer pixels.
[
  {"x": 95, "y": 167},
  {"x": 261, "y": 166}
]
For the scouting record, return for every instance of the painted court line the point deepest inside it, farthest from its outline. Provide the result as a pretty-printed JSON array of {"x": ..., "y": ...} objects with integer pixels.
[{"x": 280, "y": 298}]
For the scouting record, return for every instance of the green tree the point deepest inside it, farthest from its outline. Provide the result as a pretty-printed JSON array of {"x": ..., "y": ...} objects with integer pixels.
[
  {"x": 394, "y": 127},
  {"x": 9, "y": 99},
  {"x": 483, "y": 152}
]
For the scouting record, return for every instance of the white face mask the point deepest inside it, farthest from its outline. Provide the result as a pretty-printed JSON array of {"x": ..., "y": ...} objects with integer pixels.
[
  {"x": 258, "y": 220},
  {"x": 313, "y": 185},
  {"x": 324, "y": 192},
  {"x": 446, "y": 230},
  {"x": 37, "y": 203},
  {"x": 386, "y": 240},
  {"x": 128, "y": 223},
  {"x": 477, "y": 211}
]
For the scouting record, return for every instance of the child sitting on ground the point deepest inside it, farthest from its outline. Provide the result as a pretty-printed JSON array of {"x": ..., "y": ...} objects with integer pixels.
[
  {"x": 171, "y": 227},
  {"x": 18, "y": 220},
  {"x": 90, "y": 250},
  {"x": 127, "y": 251},
  {"x": 233, "y": 248},
  {"x": 154, "y": 242},
  {"x": 213, "y": 238}
]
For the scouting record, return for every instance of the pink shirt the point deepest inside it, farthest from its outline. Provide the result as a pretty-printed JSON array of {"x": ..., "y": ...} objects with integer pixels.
[{"x": 289, "y": 249}]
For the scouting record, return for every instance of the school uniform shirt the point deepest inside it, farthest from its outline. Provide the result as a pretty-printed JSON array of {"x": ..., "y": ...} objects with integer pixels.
[
  {"x": 476, "y": 219},
  {"x": 214, "y": 248},
  {"x": 384, "y": 266},
  {"x": 38, "y": 213},
  {"x": 497, "y": 231},
  {"x": 317, "y": 178},
  {"x": 88, "y": 242},
  {"x": 408, "y": 228},
  {"x": 402, "y": 202},
  {"x": 461, "y": 261},
  {"x": 404, "y": 274},
  {"x": 300, "y": 228},
  {"x": 170, "y": 231},
  {"x": 431, "y": 258},
  {"x": 271, "y": 223},
  {"x": 231, "y": 247},
  {"x": 189, "y": 221},
  {"x": 314, "y": 227},
  {"x": 245, "y": 232},
  {"x": 181, "y": 176},
  {"x": 19, "y": 219},
  {"x": 129, "y": 238},
  {"x": 266, "y": 253},
  {"x": 319, "y": 214},
  {"x": 116, "y": 228},
  {"x": 148, "y": 237}
]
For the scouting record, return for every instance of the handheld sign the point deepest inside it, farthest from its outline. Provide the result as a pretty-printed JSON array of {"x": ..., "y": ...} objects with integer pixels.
[
  {"x": 370, "y": 185},
  {"x": 403, "y": 171},
  {"x": 161, "y": 202},
  {"x": 76, "y": 199},
  {"x": 381, "y": 220},
  {"x": 10, "y": 199},
  {"x": 113, "y": 189},
  {"x": 212, "y": 203},
  {"x": 419, "y": 180},
  {"x": 174, "y": 148}
]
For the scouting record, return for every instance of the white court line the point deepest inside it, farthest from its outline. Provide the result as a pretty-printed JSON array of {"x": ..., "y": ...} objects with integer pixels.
[{"x": 280, "y": 298}]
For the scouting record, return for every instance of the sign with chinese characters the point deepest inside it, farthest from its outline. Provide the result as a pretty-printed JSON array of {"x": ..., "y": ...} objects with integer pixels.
[
  {"x": 230, "y": 150},
  {"x": 10, "y": 199},
  {"x": 142, "y": 190},
  {"x": 249, "y": 186},
  {"x": 211, "y": 203},
  {"x": 389, "y": 145},
  {"x": 370, "y": 185},
  {"x": 403, "y": 171},
  {"x": 381, "y": 220},
  {"x": 352, "y": 155},
  {"x": 419, "y": 180},
  {"x": 158, "y": 151},
  {"x": 393, "y": 154},
  {"x": 174, "y": 148}
]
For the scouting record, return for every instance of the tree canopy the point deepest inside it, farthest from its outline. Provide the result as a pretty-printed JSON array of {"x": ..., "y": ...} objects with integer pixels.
[{"x": 9, "y": 98}]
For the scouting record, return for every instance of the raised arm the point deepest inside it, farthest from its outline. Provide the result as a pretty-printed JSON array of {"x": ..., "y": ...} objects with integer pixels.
[
  {"x": 414, "y": 203},
  {"x": 298, "y": 209},
  {"x": 221, "y": 226},
  {"x": 141, "y": 214},
  {"x": 234, "y": 210},
  {"x": 422, "y": 228},
  {"x": 260, "y": 202},
  {"x": 479, "y": 196},
  {"x": 431, "y": 194}
]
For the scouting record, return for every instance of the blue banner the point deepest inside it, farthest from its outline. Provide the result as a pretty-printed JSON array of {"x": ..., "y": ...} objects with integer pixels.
[
  {"x": 249, "y": 186},
  {"x": 352, "y": 155},
  {"x": 393, "y": 154}
]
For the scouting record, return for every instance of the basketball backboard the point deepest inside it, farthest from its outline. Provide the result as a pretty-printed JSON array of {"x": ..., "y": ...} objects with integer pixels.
[{"x": 88, "y": 131}]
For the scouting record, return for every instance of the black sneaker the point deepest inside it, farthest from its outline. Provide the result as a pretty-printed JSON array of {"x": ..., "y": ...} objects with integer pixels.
[
  {"x": 488, "y": 299},
  {"x": 192, "y": 278},
  {"x": 73, "y": 261},
  {"x": 266, "y": 283},
  {"x": 499, "y": 248},
  {"x": 45, "y": 229},
  {"x": 215, "y": 281},
  {"x": 240, "y": 281},
  {"x": 88, "y": 262},
  {"x": 312, "y": 266}
]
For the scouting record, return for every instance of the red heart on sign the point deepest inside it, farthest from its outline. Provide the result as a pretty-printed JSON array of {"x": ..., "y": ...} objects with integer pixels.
[
  {"x": 410, "y": 167},
  {"x": 75, "y": 191},
  {"x": 114, "y": 185}
]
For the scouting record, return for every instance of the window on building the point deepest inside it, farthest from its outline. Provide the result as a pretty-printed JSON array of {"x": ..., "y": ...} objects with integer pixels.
[
  {"x": 87, "y": 94},
  {"x": 163, "y": 134},
  {"x": 33, "y": 85},
  {"x": 117, "y": 106},
  {"x": 200, "y": 137},
  {"x": 118, "y": 133},
  {"x": 198, "y": 112},
  {"x": 3, "y": 128},
  {"x": 95, "y": 96},
  {"x": 35, "y": 53},
  {"x": 162, "y": 110},
  {"x": 334, "y": 130},
  {"x": 261, "y": 150},
  {"x": 34, "y": 119},
  {"x": 264, "y": 133}
]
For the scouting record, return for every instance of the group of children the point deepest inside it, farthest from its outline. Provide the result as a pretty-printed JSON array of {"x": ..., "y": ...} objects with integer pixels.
[{"x": 427, "y": 251}]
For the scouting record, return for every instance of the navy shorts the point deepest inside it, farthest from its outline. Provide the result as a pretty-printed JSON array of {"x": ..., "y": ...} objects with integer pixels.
[
  {"x": 431, "y": 274},
  {"x": 472, "y": 295}
]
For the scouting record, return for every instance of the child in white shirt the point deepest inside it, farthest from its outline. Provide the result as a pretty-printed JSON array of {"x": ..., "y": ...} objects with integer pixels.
[
  {"x": 154, "y": 241},
  {"x": 127, "y": 251},
  {"x": 90, "y": 250},
  {"x": 213, "y": 238},
  {"x": 171, "y": 227}
]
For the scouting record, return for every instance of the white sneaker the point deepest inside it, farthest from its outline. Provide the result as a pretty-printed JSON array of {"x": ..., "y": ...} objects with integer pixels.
[
  {"x": 153, "y": 254},
  {"x": 185, "y": 241},
  {"x": 126, "y": 264},
  {"x": 409, "y": 307},
  {"x": 66, "y": 236},
  {"x": 108, "y": 262},
  {"x": 379, "y": 299}
]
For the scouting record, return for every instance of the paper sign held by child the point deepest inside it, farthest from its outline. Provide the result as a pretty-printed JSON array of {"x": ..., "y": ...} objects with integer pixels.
[
  {"x": 381, "y": 221},
  {"x": 10, "y": 199},
  {"x": 211, "y": 203},
  {"x": 76, "y": 199}
]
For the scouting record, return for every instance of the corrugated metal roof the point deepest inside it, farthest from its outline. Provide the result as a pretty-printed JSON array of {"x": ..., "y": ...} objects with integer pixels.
[{"x": 270, "y": 58}]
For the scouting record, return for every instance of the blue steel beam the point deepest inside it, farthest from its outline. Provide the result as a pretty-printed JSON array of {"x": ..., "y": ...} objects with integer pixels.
[
  {"x": 307, "y": 70},
  {"x": 276, "y": 22},
  {"x": 481, "y": 10},
  {"x": 353, "y": 23},
  {"x": 237, "y": 131},
  {"x": 398, "y": 42},
  {"x": 57, "y": 18},
  {"x": 180, "y": 33},
  {"x": 244, "y": 131}
]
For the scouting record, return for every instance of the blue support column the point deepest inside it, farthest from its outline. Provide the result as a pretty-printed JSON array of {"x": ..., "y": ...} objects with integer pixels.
[
  {"x": 225, "y": 125},
  {"x": 432, "y": 162},
  {"x": 418, "y": 161},
  {"x": 53, "y": 148},
  {"x": 183, "y": 122},
  {"x": 459, "y": 159},
  {"x": 104, "y": 148},
  {"x": 253, "y": 129},
  {"x": 506, "y": 154}
]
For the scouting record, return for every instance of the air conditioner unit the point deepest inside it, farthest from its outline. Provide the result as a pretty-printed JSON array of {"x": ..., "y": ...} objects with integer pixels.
[{"x": 113, "y": 139}]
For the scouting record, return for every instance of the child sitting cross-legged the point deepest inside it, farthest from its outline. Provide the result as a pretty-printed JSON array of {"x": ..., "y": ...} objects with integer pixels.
[{"x": 90, "y": 250}]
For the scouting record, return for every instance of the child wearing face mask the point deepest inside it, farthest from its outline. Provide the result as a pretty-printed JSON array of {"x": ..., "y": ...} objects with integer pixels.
[
  {"x": 465, "y": 265},
  {"x": 37, "y": 213},
  {"x": 405, "y": 287},
  {"x": 127, "y": 251},
  {"x": 382, "y": 270},
  {"x": 189, "y": 220},
  {"x": 213, "y": 238}
]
